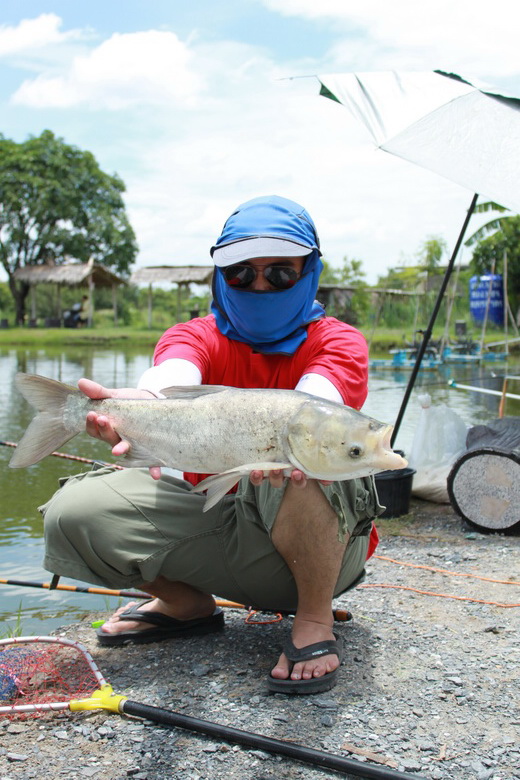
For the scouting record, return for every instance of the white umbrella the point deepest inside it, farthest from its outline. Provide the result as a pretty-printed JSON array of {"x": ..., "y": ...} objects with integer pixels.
[{"x": 441, "y": 122}]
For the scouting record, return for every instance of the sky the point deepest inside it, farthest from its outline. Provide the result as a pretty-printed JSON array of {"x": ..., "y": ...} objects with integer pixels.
[{"x": 200, "y": 105}]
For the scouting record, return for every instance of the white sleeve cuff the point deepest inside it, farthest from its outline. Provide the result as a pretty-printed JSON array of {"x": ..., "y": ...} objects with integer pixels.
[
  {"x": 316, "y": 384},
  {"x": 175, "y": 371}
]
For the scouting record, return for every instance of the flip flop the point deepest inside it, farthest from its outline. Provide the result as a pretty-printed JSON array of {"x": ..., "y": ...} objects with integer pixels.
[
  {"x": 314, "y": 684},
  {"x": 164, "y": 627}
]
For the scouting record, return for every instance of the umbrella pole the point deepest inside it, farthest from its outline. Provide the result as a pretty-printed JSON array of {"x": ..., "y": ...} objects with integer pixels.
[{"x": 428, "y": 332}]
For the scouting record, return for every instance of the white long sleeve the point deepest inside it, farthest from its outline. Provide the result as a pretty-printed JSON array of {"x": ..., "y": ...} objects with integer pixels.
[
  {"x": 175, "y": 371},
  {"x": 316, "y": 384}
]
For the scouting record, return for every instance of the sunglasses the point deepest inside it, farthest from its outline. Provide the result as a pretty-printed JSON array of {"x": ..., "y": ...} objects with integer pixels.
[{"x": 281, "y": 277}]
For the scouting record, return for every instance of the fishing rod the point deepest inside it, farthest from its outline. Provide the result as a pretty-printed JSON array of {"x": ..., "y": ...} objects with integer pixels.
[
  {"x": 131, "y": 594},
  {"x": 341, "y": 615},
  {"x": 69, "y": 457}
]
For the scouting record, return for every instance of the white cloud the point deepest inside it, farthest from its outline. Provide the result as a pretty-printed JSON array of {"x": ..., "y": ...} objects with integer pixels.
[
  {"x": 198, "y": 127},
  {"x": 281, "y": 138},
  {"x": 471, "y": 35},
  {"x": 125, "y": 70},
  {"x": 31, "y": 34}
]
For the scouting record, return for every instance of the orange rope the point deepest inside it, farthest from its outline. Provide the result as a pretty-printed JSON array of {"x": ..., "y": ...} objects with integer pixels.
[
  {"x": 445, "y": 571},
  {"x": 442, "y": 571},
  {"x": 440, "y": 595},
  {"x": 252, "y": 622}
]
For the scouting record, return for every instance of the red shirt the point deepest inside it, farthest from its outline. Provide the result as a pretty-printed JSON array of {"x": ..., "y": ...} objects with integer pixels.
[{"x": 333, "y": 349}]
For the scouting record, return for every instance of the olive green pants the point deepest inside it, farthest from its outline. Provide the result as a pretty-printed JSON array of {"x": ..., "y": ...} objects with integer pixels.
[{"x": 122, "y": 529}]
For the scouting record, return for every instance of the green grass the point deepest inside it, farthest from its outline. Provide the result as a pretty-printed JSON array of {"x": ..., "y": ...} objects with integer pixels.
[
  {"x": 44, "y": 337},
  {"x": 382, "y": 340},
  {"x": 16, "y": 629}
]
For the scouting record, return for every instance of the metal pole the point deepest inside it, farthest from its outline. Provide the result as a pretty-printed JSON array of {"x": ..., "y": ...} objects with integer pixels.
[{"x": 428, "y": 332}]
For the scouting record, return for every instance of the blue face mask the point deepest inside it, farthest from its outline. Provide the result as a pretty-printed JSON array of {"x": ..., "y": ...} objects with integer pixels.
[{"x": 270, "y": 322}]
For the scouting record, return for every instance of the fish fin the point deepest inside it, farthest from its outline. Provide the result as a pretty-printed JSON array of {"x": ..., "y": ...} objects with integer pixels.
[
  {"x": 218, "y": 485},
  {"x": 140, "y": 456},
  {"x": 46, "y": 432},
  {"x": 192, "y": 391}
]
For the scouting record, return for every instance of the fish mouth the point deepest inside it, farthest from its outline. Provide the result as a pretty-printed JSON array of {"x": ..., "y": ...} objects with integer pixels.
[{"x": 393, "y": 460}]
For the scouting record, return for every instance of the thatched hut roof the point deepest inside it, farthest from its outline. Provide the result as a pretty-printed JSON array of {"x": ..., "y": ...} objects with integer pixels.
[
  {"x": 69, "y": 274},
  {"x": 170, "y": 274}
]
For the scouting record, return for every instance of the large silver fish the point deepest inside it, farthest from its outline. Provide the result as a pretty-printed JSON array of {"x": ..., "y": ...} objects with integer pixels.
[{"x": 208, "y": 429}]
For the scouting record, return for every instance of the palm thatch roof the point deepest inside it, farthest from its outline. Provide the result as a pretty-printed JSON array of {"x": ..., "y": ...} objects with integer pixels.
[
  {"x": 169, "y": 274},
  {"x": 181, "y": 275},
  {"x": 69, "y": 274}
]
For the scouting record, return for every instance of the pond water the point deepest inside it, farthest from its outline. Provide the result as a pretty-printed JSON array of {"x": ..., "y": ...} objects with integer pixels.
[{"x": 23, "y": 490}]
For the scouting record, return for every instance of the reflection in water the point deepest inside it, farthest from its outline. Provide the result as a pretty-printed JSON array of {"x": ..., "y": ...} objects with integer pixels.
[{"x": 23, "y": 490}]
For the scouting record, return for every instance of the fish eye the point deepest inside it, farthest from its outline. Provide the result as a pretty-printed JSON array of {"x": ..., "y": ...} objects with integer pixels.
[{"x": 355, "y": 451}]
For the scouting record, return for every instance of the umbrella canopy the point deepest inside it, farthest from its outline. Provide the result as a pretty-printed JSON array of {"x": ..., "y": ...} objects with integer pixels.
[{"x": 441, "y": 122}]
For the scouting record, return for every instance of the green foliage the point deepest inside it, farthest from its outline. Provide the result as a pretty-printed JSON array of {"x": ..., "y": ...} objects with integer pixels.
[
  {"x": 6, "y": 301},
  {"x": 56, "y": 202},
  {"x": 405, "y": 278},
  {"x": 350, "y": 274},
  {"x": 489, "y": 227},
  {"x": 431, "y": 252},
  {"x": 413, "y": 312}
]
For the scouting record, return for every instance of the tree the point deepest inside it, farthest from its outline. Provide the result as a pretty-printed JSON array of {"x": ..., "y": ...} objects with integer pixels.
[
  {"x": 492, "y": 226},
  {"x": 56, "y": 202},
  {"x": 351, "y": 274}
]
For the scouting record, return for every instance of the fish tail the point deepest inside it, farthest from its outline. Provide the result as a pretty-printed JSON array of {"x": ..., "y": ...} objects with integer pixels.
[{"x": 47, "y": 430}]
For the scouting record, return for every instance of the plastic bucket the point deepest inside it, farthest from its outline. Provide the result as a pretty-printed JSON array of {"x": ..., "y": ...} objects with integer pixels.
[{"x": 394, "y": 489}]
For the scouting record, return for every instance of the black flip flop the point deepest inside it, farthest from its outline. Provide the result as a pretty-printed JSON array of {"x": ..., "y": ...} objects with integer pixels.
[
  {"x": 314, "y": 684},
  {"x": 164, "y": 627}
]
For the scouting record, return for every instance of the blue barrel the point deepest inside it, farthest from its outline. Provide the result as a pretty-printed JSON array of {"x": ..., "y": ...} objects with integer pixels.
[{"x": 479, "y": 292}]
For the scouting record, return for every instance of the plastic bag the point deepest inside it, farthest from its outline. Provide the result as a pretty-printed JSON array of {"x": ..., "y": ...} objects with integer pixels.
[{"x": 439, "y": 439}]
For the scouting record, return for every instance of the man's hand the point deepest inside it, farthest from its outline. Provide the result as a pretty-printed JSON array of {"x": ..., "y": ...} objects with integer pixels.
[
  {"x": 277, "y": 479},
  {"x": 98, "y": 425}
]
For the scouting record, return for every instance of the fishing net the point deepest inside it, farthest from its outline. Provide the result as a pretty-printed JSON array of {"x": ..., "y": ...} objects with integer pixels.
[{"x": 39, "y": 676}]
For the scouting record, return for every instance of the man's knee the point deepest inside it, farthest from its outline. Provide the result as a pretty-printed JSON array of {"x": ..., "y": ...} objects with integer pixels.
[{"x": 75, "y": 510}]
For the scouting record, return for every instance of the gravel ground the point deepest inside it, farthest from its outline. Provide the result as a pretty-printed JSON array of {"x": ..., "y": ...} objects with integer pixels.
[{"x": 429, "y": 685}]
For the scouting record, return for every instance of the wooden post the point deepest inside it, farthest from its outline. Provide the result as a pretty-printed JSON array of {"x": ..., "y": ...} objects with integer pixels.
[
  {"x": 484, "y": 488},
  {"x": 33, "y": 303},
  {"x": 504, "y": 293},
  {"x": 90, "y": 301},
  {"x": 58, "y": 305},
  {"x": 114, "y": 301},
  {"x": 150, "y": 305},
  {"x": 179, "y": 301}
]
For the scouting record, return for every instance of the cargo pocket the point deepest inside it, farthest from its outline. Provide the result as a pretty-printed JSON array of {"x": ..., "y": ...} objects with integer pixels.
[{"x": 355, "y": 503}]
